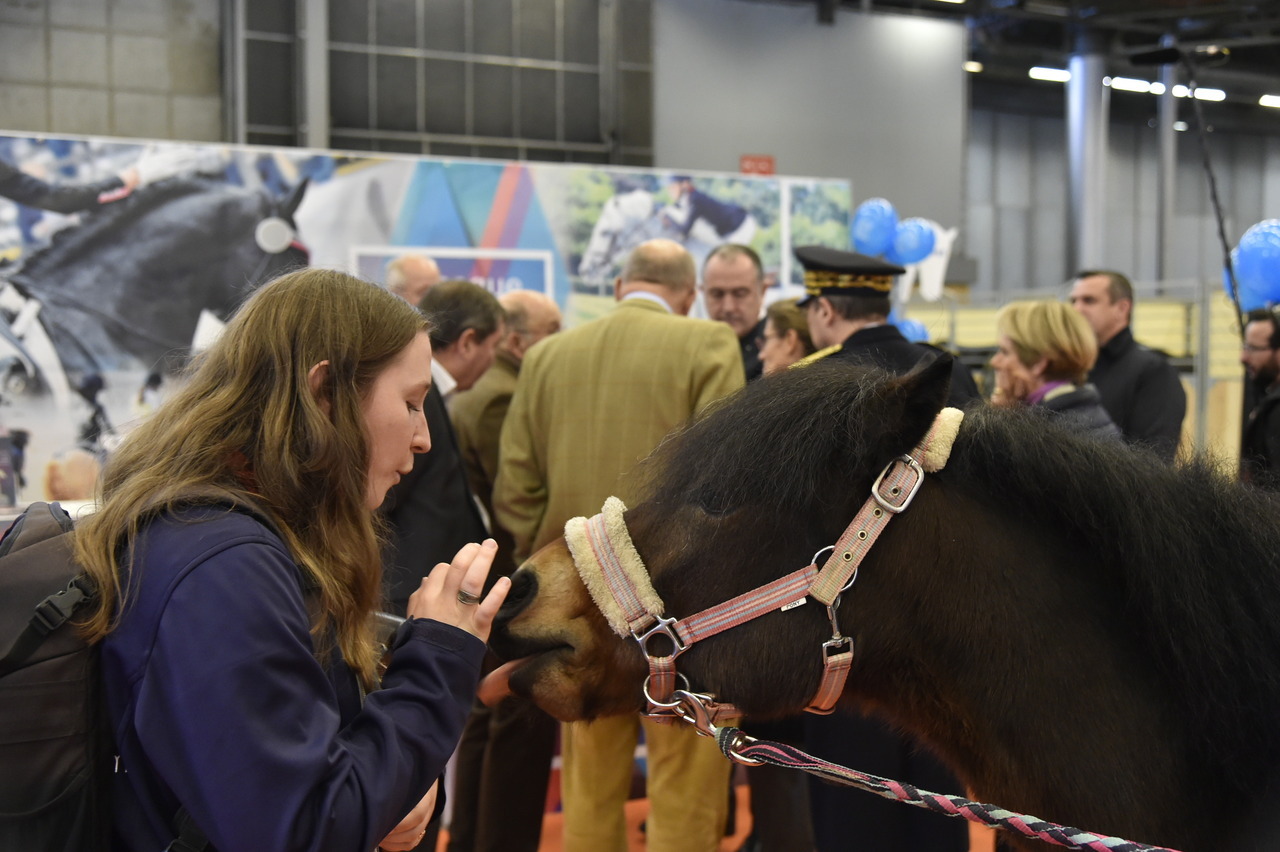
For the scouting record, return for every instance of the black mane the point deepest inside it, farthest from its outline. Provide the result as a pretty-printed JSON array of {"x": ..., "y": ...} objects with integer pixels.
[{"x": 1196, "y": 556}]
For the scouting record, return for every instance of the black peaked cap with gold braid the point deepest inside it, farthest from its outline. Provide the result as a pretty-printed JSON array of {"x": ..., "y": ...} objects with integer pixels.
[{"x": 831, "y": 272}]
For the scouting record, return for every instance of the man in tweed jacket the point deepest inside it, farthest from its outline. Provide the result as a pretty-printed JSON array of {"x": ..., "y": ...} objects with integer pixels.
[{"x": 590, "y": 403}]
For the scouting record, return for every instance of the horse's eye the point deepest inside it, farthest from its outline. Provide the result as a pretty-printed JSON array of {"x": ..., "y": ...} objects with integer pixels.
[{"x": 711, "y": 501}]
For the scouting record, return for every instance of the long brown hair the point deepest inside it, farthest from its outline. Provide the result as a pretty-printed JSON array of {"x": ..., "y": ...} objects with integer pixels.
[{"x": 247, "y": 422}]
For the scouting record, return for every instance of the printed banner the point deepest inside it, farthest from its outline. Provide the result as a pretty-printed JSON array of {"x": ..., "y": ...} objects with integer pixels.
[{"x": 119, "y": 259}]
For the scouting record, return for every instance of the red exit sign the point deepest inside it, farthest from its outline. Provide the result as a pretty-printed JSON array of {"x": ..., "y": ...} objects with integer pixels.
[{"x": 756, "y": 164}]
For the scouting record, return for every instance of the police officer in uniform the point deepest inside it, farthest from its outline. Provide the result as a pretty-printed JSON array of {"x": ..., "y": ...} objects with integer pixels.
[{"x": 847, "y": 304}]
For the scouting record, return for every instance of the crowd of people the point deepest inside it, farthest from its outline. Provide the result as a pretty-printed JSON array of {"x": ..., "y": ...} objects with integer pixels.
[{"x": 345, "y": 447}]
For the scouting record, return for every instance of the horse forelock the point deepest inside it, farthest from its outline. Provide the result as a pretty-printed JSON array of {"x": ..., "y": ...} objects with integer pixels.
[
  {"x": 1193, "y": 556},
  {"x": 788, "y": 442}
]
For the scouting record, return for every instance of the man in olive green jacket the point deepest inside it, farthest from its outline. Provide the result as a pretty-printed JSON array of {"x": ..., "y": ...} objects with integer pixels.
[{"x": 590, "y": 403}]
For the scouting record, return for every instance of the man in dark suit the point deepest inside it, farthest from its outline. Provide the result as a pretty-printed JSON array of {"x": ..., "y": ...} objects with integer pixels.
[
  {"x": 432, "y": 511},
  {"x": 733, "y": 291},
  {"x": 1260, "y": 444},
  {"x": 503, "y": 762},
  {"x": 847, "y": 302},
  {"x": 1140, "y": 389}
]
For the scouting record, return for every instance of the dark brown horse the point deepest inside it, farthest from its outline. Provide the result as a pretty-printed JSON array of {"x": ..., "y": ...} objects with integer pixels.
[{"x": 1081, "y": 632}]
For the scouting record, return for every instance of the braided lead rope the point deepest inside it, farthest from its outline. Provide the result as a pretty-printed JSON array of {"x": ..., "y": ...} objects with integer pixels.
[{"x": 737, "y": 746}]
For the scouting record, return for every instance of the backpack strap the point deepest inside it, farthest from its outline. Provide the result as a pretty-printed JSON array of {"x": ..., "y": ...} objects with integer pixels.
[
  {"x": 41, "y": 523},
  {"x": 50, "y": 614}
]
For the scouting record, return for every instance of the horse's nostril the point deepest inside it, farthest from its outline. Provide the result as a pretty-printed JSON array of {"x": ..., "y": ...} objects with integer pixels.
[{"x": 524, "y": 586}]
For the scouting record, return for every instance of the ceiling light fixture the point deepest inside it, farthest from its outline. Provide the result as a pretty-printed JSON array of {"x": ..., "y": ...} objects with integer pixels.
[
  {"x": 972, "y": 66},
  {"x": 1272, "y": 101},
  {"x": 1203, "y": 94},
  {"x": 1130, "y": 84},
  {"x": 1053, "y": 75}
]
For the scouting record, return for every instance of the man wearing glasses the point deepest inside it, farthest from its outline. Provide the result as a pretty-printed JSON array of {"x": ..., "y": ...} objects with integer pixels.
[{"x": 1260, "y": 444}]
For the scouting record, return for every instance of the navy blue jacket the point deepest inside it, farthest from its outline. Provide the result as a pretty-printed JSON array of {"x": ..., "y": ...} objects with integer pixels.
[{"x": 219, "y": 704}]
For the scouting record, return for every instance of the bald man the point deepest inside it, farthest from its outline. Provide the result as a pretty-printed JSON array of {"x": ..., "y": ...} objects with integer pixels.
[
  {"x": 590, "y": 403},
  {"x": 504, "y": 757},
  {"x": 410, "y": 276}
]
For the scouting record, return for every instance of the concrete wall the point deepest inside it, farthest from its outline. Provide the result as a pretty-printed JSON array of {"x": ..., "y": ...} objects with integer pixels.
[
  {"x": 137, "y": 68},
  {"x": 877, "y": 99}
]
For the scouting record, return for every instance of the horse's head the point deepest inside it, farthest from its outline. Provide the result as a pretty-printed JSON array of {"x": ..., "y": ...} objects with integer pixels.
[
  {"x": 740, "y": 497},
  {"x": 617, "y": 231}
]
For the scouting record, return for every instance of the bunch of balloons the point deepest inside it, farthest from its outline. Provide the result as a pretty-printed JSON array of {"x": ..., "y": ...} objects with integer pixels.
[
  {"x": 877, "y": 231},
  {"x": 1256, "y": 261}
]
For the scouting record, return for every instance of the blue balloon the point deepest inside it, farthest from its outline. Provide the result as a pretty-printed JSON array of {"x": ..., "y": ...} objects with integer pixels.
[
  {"x": 913, "y": 330},
  {"x": 874, "y": 224},
  {"x": 1257, "y": 263},
  {"x": 912, "y": 241},
  {"x": 1248, "y": 297}
]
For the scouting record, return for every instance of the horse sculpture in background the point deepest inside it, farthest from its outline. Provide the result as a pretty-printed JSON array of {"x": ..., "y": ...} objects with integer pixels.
[
  {"x": 132, "y": 280},
  {"x": 1080, "y": 631}
]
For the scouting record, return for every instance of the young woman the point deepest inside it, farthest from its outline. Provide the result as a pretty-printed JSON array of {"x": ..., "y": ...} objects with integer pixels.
[
  {"x": 1044, "y": 355},
  {"x": 237, "y": 556}
]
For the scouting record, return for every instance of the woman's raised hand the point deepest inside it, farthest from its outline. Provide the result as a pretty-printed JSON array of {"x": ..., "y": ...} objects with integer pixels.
[{"x": 451, "y": 592}]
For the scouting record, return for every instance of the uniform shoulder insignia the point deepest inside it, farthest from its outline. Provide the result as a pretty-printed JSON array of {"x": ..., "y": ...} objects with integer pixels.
[{"x": 817, "y": 356}]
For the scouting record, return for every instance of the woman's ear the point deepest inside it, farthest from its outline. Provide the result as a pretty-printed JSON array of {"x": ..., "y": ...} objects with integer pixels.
[
  {"x": 1038, "y": 368},
  {"x": 791, "y": 337},
  {"x": 318, "y": 381}
]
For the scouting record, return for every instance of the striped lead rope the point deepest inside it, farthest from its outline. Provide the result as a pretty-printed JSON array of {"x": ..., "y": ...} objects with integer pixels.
[{"x": 737, "y": 746}]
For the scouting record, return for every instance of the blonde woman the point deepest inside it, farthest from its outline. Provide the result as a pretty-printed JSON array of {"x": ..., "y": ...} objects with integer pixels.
[
  {"x": 785, "y": 339},
  {"x": 1043, "y": 358},
  {"x": 236, "y": 556}
]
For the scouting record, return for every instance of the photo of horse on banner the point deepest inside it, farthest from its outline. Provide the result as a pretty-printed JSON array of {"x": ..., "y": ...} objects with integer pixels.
[{"x": 1079, "y": 630}]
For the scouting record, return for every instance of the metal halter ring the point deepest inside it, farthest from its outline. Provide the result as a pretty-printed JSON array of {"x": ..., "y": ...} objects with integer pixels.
[
  {"x": 467, "y": 599},
  {"x": 664, "y": 705}
]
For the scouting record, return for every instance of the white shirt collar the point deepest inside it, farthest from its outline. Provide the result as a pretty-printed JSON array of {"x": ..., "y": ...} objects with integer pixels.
[
  {"x": 443, "y": 381},
  {"x": 645, "y": 294}
]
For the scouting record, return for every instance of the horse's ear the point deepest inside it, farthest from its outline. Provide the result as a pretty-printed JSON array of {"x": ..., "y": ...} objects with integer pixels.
[
  {"x": 290, "y": 205},
  {"x": 923, "y": 393}
]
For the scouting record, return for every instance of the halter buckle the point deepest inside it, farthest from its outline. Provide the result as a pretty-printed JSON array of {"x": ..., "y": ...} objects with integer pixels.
[
  {"x": 895, "y": 508},
  {"x": 662, "y": 628},
  {"x": 692, "y": 708},
  {"x": 836, "y": 645}
]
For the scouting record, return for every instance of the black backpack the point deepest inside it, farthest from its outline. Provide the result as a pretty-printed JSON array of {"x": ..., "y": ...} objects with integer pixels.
[{"x": 55, "y": 743}]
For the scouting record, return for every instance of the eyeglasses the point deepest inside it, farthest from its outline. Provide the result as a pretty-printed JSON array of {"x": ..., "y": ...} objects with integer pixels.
[
  {"x": 1249, "y": 347},
  {"x": 762, "y": 339}
]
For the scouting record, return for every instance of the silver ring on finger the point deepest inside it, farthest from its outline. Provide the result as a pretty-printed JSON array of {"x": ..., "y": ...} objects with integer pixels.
[{"x": 467, "y": 599}]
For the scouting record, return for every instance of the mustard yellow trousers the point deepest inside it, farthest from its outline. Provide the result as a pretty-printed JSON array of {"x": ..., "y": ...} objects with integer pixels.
[{"x": 687, "y": 786}]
